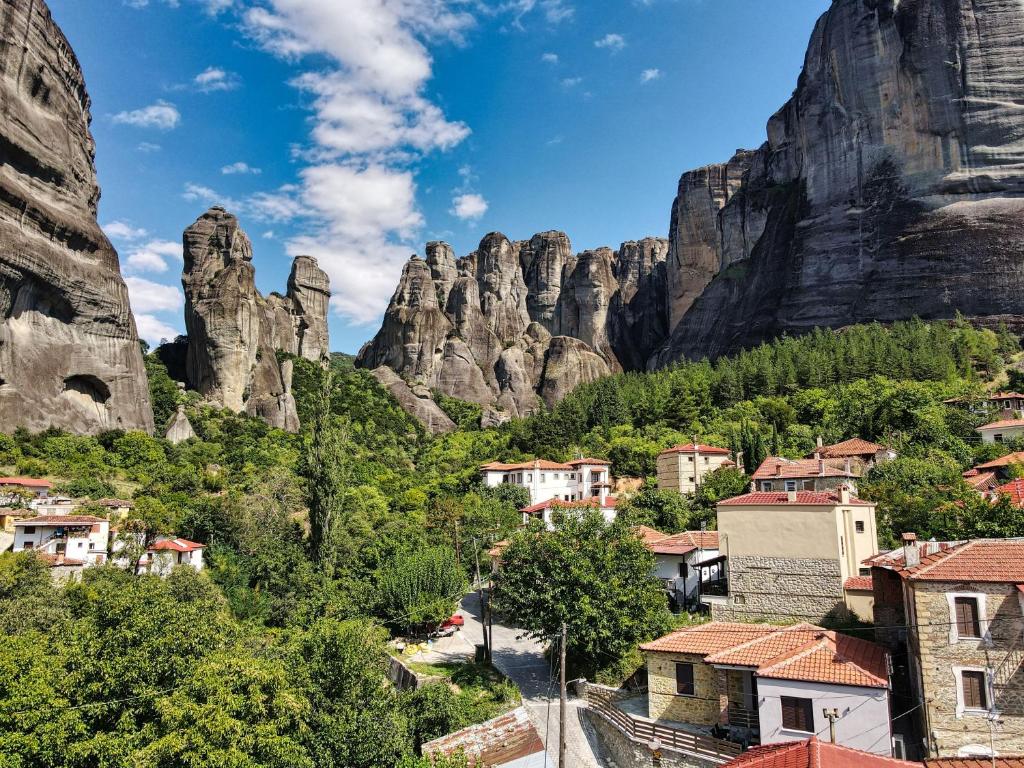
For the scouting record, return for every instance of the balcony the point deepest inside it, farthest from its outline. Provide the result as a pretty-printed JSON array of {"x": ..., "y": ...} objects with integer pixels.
[{"x": 716, "y": 588}]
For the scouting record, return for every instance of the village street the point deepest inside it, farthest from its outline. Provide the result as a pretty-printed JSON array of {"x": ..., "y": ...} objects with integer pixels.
[{"x": 522, "y": 659}]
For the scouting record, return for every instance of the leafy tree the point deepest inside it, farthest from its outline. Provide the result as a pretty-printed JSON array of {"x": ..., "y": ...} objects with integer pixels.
[
  {"x": 149, "y": 519},
  {"x": 666, "y": 510},
  {"x": 420, "y": 589},
  {"x": 163, "y": 391},
  {"x": 723, "y": 483},
  {"x": 593, "y": 577}
]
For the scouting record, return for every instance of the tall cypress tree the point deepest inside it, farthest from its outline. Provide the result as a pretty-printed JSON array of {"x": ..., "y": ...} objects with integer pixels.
[{"x": 325, "y": 470}]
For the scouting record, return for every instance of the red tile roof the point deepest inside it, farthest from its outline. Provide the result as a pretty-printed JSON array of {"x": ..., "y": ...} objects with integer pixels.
[
  {"x": 60, "y": 520},
  {"x": 859, "y": 583},
  {"x": 498, "y": 548},
  {"x": 812, "y": 753},
  {"x": 497, "y": 466},
  {"x": 777, "y": 467},
  {"x": 1015, "y": 490},
  {"x": 1003, "y": 424},
  {"x": 1010, "y": 761},
  {"x": 176, "y": 545},
  {"x": 589, "y": 462},
  {"x": 28, "y": 482},
  {"x": 1003, "y": 461},
  {"x": 699, "y": 448},
  {"x": 852, "y": 447},
  {"x": 498, "y": 741},
  {"x": 980, "y": 481},
  {"x": 759, "y": 498},
  {"x": 988, "y": 560},
  {"x": 678, "y": 543},
  {"x": 799, "y": 652}
]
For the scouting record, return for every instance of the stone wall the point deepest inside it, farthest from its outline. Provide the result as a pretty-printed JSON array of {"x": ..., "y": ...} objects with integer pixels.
[
  {"x": 949, "y": 730},
  {"x": 665, "y": 704},
  {"x": 778, "y": 588},
  {"x": 623, "y": 752}
]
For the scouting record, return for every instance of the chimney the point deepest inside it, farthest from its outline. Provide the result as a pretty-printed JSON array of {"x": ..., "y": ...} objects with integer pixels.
[
  {"x": 911, "y": 554},
  {"x": 848, "y": 466},
  {"x": 821, "y": 443},
  {"x": 791, "y": 497},
  {"x": 821, "y": 463},
  {"x": 844, "y": 494},
  {"x": 933, "y": 546}
]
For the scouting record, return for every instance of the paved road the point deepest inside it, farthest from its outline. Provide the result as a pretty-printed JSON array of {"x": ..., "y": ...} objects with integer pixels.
[{"x": 522, "y": 659}]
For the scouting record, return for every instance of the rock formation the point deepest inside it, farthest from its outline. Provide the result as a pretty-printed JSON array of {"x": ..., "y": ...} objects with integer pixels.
[
  {"x": 234, "y": 333},
  {"x": 891, "y": 185},
  {"x": 517, "y": 324},
  {"x": 69, "y": 350},
  {"x": 179, "y": 428}
]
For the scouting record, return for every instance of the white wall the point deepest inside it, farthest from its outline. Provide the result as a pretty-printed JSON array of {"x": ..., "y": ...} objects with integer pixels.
[
  {"x": 863, "y": 713},
  {"x": 545, "y": 484},
  {"x": 1007, "y": 433}
]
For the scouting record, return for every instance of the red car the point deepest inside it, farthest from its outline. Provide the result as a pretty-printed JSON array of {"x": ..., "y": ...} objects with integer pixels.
[{"x": 453, "y": 621}]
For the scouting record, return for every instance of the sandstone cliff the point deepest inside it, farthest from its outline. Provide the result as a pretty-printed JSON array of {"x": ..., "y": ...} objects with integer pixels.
[
  {"x": 891, "y": 185},
  {"x": 517, "y": 323},
  {"x": 234, "y": 333},
  {"x": 69, "y": 351}
]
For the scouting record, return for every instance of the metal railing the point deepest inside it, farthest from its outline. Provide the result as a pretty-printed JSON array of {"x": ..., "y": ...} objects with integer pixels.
[
  {"x": 717, "y": 588},
  {"x": 742, "y": 717}
]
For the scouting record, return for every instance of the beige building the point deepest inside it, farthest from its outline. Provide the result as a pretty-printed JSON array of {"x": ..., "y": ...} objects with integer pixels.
[
  {"x": 770, "y": 684},
  {"x": 962, "y": 606},
  {"x": 682, "y": 468},
  {"x": 789, "y": 554}
]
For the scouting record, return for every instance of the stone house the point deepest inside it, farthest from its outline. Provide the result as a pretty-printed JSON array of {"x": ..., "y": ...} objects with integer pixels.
[
  {"x": 818, "y": 474},
  {"x": 953, "y": 616},
  {"x": 769, "y": 684},
  {"x": 1001, "y": 431},
  {"x": 577, "y": 480},
  {"x": 684, "y": 562},
  {"x": 863, "y": 454},
  {"x": 683, "y": 468},
  {"x": 791, "y": 554}
]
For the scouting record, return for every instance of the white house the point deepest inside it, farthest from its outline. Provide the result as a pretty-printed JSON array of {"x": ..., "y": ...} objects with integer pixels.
[
  {"x": 161, "y": 556},
  {"x": 53, "y": 505},
  {"x": 73, "y": 540},
  {"x": 578, "y": 480},
  {"x": 545, "y": 510},
  {"x": 12, "y": 486},
  {"x": 1001, "y": 431},
  {"x": 685, "y": 562}
]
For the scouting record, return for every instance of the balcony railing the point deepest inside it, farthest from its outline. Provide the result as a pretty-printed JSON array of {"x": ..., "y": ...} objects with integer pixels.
[
  {"x": 717, "y": 588},
  {"x": 741, "y": 717}
]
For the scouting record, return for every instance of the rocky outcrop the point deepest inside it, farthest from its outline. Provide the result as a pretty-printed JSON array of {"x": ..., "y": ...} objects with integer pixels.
[
  {"x": 235, "y": 334},
  {"x": 179, "y": 428},
  {"x": 891, "y": 185},
  {"x": 514, "y": 325},
  {"x": 416, "y": 402},
  {"x": 69, "y": 351}
]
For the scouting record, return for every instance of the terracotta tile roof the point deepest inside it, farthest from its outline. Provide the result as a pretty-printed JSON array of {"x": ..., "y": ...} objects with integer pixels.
[
  {"x": 497, "y": 466},
  {"x": 701, "y": 539},
  {"x": 589, "y": 462},
  {"x": 989, "y": 560},
  {"x": 1011, "y": 458},
  {"x": 1003, "y": 424},
  {"x": 707, "y": 638},
  {"x": 176, "y": 545},
  {"x": 980, "y": 481},
  {"x": 1010, "y": 761},
  {"x": 1015, "y": 490},
  {"x": 812, "y": 753},
  {"x": 859, "y": 583},
  {"x": 60, "y": 520},
  {"x": 799, "y": 652},
  {"x": 678, "y": 543},
  {"x": 758, "y": 498},
  {"x": 894, "y": 557},
  {"x": 648, "y": 535},
  {"x": 775, "y": 467},
  {"x": 54, "y": 561},
  {"x": 540, "y": 506},
  {"x": 496, "y": 742},
  {"x": 28, "y": 482},
  {"x": 852, "y": 447},
  {"x": 700, "y": 448},
  {"x": 498, "y": 548},
  {"x": 113, "y": 503}
]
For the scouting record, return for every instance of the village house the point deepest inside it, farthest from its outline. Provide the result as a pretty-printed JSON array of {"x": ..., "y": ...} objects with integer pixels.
[
  {"x": 1001, "y": 431},
  {"x": 66, "y": 541},
  {"x": 790, "y": 555},
  {"x": 683, "y": 468},
  {"x": 769, "y": 684},
  {"x": 1001, "y": 466},
  {"x": 686, "y": 563},
  {"x": 863, "y": 453},
  {"x": 545, "y": 510},
  {"x": 578, "y": 480},
  {"x": 818, "y": 474},
  {"x": 116, "y": 508},
  {"x": 13, "y": 489},
  {"x": 953, "y": 615},
  {"x": 160, "y": 557},
  {"x": 1009, "y": 404},
  {"x": 983, "y": 482},
  {"x": 820, "y": 753},
  {"x": 53, "y": 505}
]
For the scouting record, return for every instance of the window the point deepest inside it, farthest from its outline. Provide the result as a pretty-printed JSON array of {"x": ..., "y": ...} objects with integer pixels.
[
  {"x": 690, "y": 459},
  {"x": 92, "y": 545},
  {"x": 682, "y": 569},
  {"x": 766, "y": 485},
  {"x": 975, "y": 695},
  {"x": 543, "y": 478},
  {"x": 864, "y": 572},
  {"x": 529, "y": 478},
  {"x": 797, "y": 714},
  {"x": 707, "y": 460},
  {"x": 30, "y": 529},
  {"x": 684, "y": 679},
  {"x": 858, "y": 526},
  {"x": 966, "y": 617},
  {"x": 29, "y": 545},
  {"x": 998, "y": 437},
  {"x": 61, "y": 548},
  {"x": 791, "y": 485}
]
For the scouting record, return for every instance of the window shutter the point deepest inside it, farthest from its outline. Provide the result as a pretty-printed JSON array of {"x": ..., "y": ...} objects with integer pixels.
[
  {"x": 797, "y": 714},
  {"x": 974, "y": 690},
  {"x": 967, "y": 623},
  {"x": 684, "y": 679}
]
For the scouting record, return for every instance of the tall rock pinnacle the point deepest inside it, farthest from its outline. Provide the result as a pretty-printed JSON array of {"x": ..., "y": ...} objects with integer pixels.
[{"x": 69, "y": 350}]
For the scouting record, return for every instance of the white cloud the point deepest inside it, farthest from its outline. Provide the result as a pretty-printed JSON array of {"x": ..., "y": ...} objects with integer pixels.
[
  {"x": 649, "y": 74},
  {"x": 214, "y": 79},
  {"x": 571, "y": 82},
  {"x": 468, "y": 207},
  {"x": 153, "y": 329},
  {"x": 147, "y": 296},
  {"x": 122, "y": 230},
  {"x": 162, "y": 115},
  {"x": 612, "y": 41},
  {"x": 553, "y": 11},
  {"x": 153, "y": 256},
  {"x": 549, "y": 58},
  {"x": 146, "y": 146},
  {"x": 268, "y": 235},
  {"x": 240, "y": 167}
]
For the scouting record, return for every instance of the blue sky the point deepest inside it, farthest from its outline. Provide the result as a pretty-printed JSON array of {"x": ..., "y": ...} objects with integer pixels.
[{"x": 357, "y": 130}]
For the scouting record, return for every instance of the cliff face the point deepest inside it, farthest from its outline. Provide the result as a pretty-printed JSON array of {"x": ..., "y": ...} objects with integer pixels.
[
  {"x": 891, "y": 185},
  {"x": 69, "y": 351},
  {"x": 234, "y": 333},
  {"x": 517, "y": 323}
]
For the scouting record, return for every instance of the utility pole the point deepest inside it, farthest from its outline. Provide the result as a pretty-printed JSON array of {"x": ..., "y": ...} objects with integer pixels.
[
  {"x": 480, "y": 597},
  {"x": 831, "y": 715},
  {"x": 561, "y": 698}
]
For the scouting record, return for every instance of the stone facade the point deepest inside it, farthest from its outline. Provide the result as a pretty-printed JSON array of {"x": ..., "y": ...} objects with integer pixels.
[
  {"x": 665, "y": 704},
  {"x": 780, "y": 588},
  {"x": 939, "y": 654}
]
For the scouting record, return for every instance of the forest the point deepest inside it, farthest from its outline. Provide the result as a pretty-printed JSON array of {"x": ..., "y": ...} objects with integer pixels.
[{"x": 275, "y": 655}]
